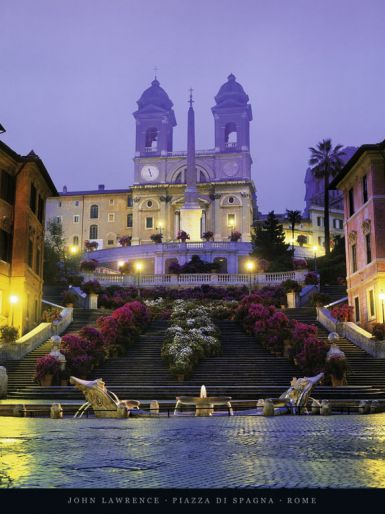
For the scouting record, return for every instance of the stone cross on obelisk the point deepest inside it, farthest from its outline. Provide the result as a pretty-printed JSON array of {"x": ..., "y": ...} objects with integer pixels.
[{"x": 191, "y": 213}]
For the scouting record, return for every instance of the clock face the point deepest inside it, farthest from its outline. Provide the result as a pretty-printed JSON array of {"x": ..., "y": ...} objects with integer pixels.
[
  {"x": 149, "y": 173},
  {"x": 231, "y": 168}
]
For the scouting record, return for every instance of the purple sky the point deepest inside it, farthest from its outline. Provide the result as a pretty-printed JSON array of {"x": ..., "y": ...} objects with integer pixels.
[{"x": 71, "y": 72}]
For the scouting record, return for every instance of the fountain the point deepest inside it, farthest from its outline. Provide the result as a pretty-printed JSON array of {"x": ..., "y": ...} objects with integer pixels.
[{"x": 204, "y": 405}]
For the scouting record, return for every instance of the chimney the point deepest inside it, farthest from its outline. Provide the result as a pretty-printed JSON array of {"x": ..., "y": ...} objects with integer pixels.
[
  {"x": 64, "y": 189},
  {"x": 101, "y": 187}
]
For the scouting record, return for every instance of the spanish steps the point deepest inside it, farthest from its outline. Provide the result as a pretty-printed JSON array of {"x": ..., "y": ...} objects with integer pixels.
[{"x": 244, "y": 370}]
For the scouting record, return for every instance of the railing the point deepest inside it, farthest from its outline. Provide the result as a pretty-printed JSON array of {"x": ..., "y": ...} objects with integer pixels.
[
  {"x": 183, "y": 153},
  {"x": 197, "y": 279}
]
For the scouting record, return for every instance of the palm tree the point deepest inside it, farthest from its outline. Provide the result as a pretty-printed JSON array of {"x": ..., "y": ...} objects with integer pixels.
[
  {"x": 294, "y": 217},
  {"x": 327, "y": 162}
]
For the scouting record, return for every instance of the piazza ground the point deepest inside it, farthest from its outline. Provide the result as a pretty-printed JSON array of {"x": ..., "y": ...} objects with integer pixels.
[{"x": 341, "y": 451}]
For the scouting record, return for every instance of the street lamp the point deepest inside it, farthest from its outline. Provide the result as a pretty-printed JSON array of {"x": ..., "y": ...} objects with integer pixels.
[
  {"x": 74, "y": 249},
  {"x": 13, "y": 300},
  {"x": 250, "y": 265},
  {"x": 159, "y": 227},
  {"x": 315, "y": 248},
  {"x": 138, "y": 268},
  {"x": 120, "y": 265},
  {"x": 382, "y": 298}
]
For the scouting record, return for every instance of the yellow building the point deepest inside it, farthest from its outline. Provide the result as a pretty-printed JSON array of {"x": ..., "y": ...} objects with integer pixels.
[{"x": 24, "y": 187}]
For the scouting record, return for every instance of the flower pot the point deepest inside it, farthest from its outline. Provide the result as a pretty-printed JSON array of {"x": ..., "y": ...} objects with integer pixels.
[
  {"x": 46, "y": 380},
  {"x": 337, "y": 382},
  {"x": 180, "y": 377}
]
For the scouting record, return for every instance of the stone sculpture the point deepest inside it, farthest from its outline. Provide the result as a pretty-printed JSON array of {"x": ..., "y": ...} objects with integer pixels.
[
  {"x": 104, "y": 403},
  {"x": 56, "y": 411},
  {"x": 294, "y": 400},
  {"x": 204, "y": 405}
]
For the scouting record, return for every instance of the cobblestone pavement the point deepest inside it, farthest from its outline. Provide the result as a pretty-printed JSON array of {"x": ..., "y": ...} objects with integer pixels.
[{"x": 252, "y": 452}]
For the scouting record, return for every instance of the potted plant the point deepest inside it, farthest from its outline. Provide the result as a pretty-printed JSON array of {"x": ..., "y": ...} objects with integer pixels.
[
  {"x": 301, "y": 240},
  {"x": 208, "y": 236},
  {"x": 9, "y": 334},
  {"x": 91, "y": 287},
  {"x": 336, "y": 366},
  {"x": 157, "y": 238},
  {"x": 91, "y": 246},
  {"x": 125, "y": 240},
  {"x": 182, "y": 236},
  {"x": 235, "y": 236},
  {"x": 69, "y": 298},
  {"x": 46, "y": 369},
  {"x": 89, "y": 265}
]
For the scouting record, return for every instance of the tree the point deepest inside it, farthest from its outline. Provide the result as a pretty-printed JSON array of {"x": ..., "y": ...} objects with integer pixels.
[
  {"x": 294, "y": 217},
  {"x": 327, "y": 162},
  {"x": 53, "y": 251},
  {"x": 268, "y": 242}
]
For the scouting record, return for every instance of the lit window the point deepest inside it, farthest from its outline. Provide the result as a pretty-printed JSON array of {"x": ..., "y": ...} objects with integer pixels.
[{"x": 231, "y": 220}]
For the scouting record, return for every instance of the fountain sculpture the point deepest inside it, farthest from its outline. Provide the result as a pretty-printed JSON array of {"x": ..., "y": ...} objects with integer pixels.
[{"x": 204, "y": 405}]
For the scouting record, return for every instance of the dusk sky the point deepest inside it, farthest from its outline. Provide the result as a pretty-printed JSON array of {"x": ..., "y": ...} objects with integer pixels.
[{"x": 72, "y": 71}]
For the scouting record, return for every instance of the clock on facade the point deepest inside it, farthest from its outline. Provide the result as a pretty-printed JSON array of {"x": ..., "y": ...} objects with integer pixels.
[
  {"x": 149, "y": 173},
  {"x": 230, "y": 168}
]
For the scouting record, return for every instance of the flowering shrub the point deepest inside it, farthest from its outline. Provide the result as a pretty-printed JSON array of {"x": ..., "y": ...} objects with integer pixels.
[
  {"x": 182, "y": 235},
  {"x": 92, "y": 286},
  {"x": 90, "y": 246},
  {"x": 312, "y": 358},
  {"x": 51, "y": 314},
  {"x": 311, "y": 278},
  {"x": 290, "y": 285},
  {"x": 88, "y": 265},
  {"x": 342, "y": 312},
  {"x": 235, "y": 236},
  {"x": 299, "y": 263},
  {"x": 191, "y": 336},
  {"x": 208, "y": 236},
  {"x": 125, "y": 240},
  {"x": 47, "y": 365}
]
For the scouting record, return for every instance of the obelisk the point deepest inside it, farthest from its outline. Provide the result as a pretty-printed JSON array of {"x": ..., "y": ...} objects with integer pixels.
[{"x": 191, "y": 213}]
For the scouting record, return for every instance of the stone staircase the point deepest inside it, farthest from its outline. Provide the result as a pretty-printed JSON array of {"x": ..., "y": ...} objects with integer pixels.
[
  {"x": 244, "y": 371},
  {"x": 54, "y": 294},
  {"x": 335, "y": 292},
  {"x": 20, "y": 373}
]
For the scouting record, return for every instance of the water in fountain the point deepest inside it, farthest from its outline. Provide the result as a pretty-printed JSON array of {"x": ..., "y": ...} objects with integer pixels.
[{"x": 203, "y": 392}]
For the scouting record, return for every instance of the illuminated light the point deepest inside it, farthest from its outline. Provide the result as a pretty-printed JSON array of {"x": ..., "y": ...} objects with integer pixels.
[
  {"x": 250, "y": 265},
  {"x": 13, "y": 299},
  {"x": 138, "y": 267},
  {"x": 74, "y": 249},
  {"x": 381, "y": 296},
  {"x": 315, "y": 248},
  {"x": 120, "y": 264}
]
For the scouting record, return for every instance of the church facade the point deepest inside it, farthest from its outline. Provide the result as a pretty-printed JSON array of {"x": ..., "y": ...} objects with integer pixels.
[{"x": 195, "y": 191}]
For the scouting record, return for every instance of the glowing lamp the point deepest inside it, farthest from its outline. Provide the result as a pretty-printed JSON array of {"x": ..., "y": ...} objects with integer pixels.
[{"x": 13, "y": 299}]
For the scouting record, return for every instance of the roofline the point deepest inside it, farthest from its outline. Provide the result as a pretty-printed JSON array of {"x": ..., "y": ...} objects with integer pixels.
[
  {"x": 96, "y": 192},
  {"x": 353, "y": 161},
  {"x": 29, "y": 158}
]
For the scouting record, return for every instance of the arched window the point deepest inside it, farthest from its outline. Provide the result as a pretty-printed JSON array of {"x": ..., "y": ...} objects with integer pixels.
[
  {"x": 152, "y": 138},
  {"x": 75, "y": 240},
  {"x": 231, "y": 136},
  {"x": 94, "y": 212},
  {"x": 93, "y": 232}
]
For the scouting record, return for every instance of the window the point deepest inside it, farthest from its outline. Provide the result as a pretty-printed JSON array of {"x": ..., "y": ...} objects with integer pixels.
[
  {"x": 364, "y": 188},
  {"x": 7, "y": 187},
  {"x": 38, "y": 262},
  {"x": 40, "y": 209},
  {"x": 59, "y": 219},
  {"x": 338, "y": 224},
  {"x": 231, "y": 135},
  {"x": 111, "y": 202},
  {"x": 111, "y": 217},
  {"x": 231, "y": 220},
  {"x": 319, "y": 221},
  {"x": 354, "y": 258},
  {"x": 129, "y": 220},
  {"x": 30, "y": 253},
  {"x": 371, "y": 305},
  {"x": 32, "y": 198},
  {"x": 351, "y": 202},
  {"x": 5, "y": 246},
  {"x": 149, "y": 203},
  {"x": 76, "y": 218},
  {"x": 357, "y": 309},
  {"x": 93, "y": 232},
  {"x": 77, "y": 203},
  {"x": 368, "y": 249},
  {"x": 59, "y": 204},
  {"x": 149, "y": 222},
  {"x": 94, "y": 212},
  {"x": 110, "y": 242},
  {"x": 151, "y": 142},
  {"x": 129, "y": 201},
  {"x": 75, "y": 240},
  {"x": 231, "y": 199}
]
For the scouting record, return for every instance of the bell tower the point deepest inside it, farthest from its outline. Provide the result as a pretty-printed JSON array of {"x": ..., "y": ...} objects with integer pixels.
[
  {"x": 232, "y": 116},
  {"x": 155, "y": 120}
]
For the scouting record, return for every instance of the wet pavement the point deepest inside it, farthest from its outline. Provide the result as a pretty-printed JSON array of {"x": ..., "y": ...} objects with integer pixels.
[{"x": 241, "y": 452}]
